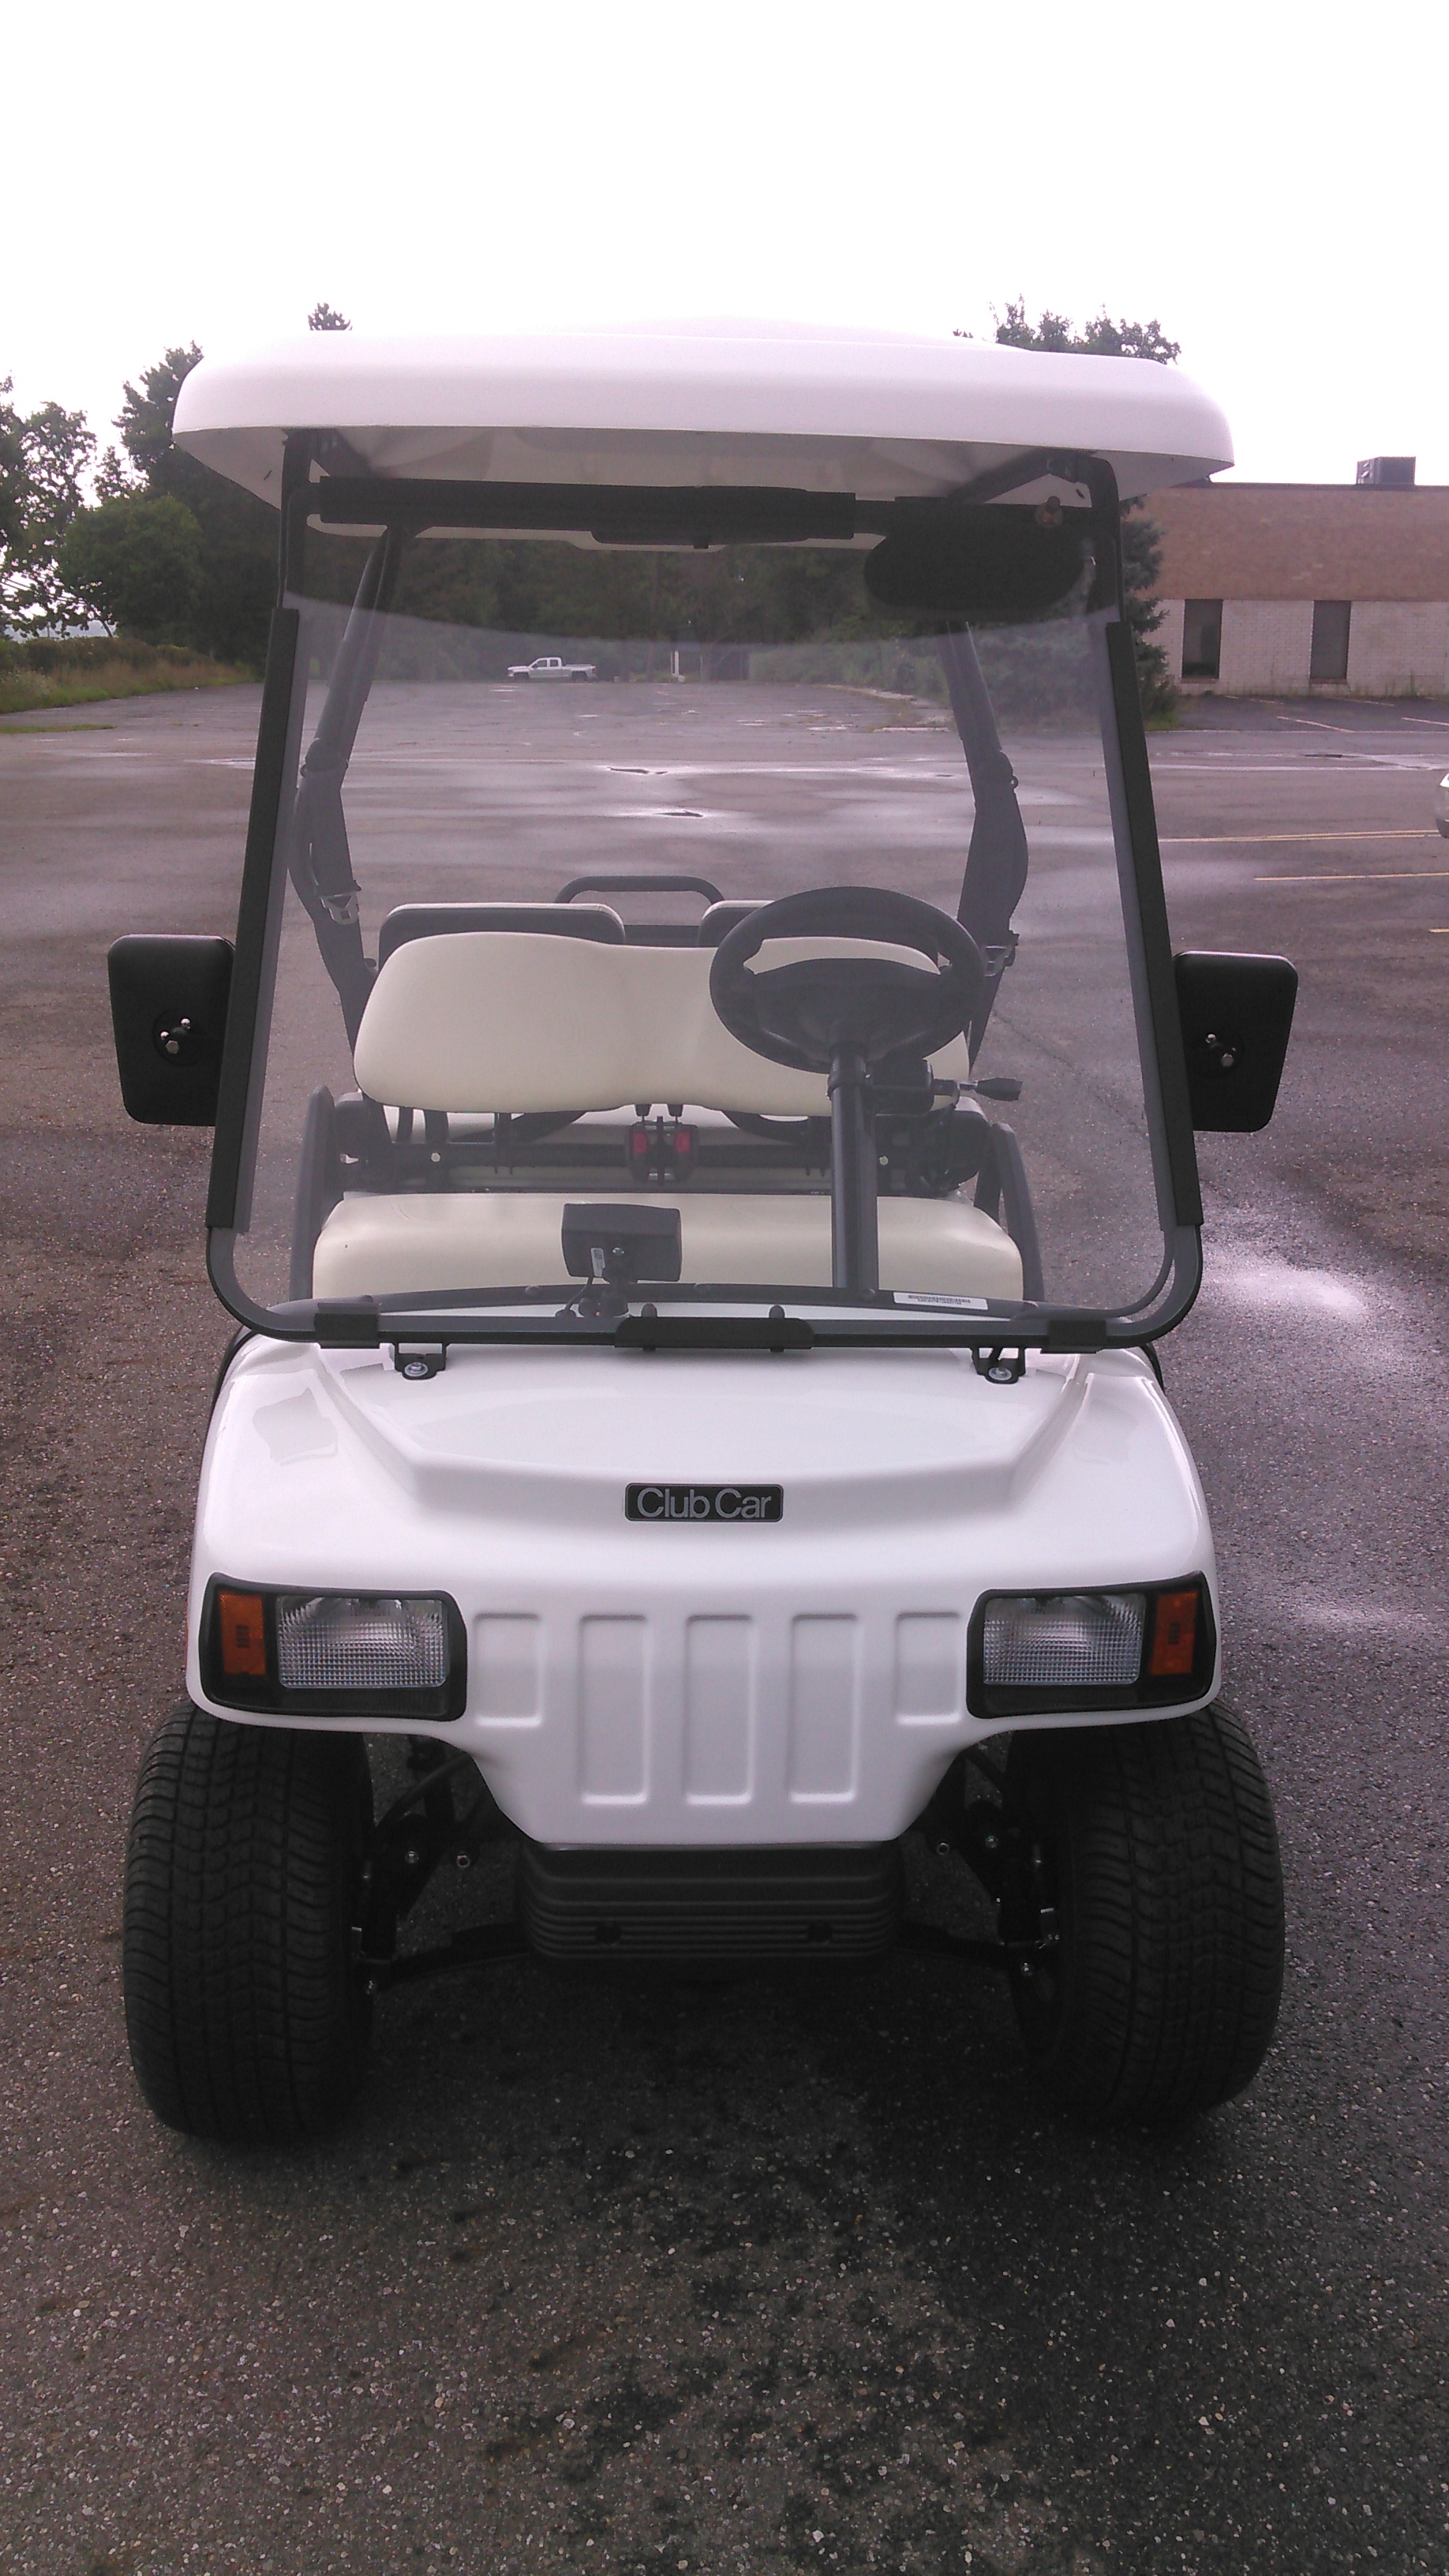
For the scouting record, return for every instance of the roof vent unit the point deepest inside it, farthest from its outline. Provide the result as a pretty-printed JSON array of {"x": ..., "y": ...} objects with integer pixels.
[{"x": 1386, "y": 473}]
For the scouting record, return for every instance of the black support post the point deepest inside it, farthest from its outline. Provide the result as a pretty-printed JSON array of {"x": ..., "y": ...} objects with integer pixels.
[{"x": 854, "y": 1231}]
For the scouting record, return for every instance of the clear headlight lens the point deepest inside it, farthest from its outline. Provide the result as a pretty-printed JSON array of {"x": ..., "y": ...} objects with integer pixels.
[
  {"x": 333, "y": 1641},
  {"x": 1070, "y": 1641}
]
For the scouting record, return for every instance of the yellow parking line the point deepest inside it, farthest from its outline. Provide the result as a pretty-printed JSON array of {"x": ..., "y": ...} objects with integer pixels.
[
  {"x": 1254, "y": 840},
  {"x": 1364, "y": 876}
]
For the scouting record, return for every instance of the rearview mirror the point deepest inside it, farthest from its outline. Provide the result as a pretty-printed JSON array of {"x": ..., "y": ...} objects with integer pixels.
[
  {"x": 1237, "y": 1013},
  {"x": 997, "y": 562},
  {"x": 168, "y": 1010}
]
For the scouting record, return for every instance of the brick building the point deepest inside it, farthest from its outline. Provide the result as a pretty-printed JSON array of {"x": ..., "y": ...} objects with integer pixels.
[{"x": 1276, "y": 589}]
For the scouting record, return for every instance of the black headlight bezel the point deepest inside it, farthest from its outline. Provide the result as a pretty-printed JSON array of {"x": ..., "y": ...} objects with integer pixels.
[
  {"x": 265, "y": 1693},
  {"x": 1175, "y": 1690}
]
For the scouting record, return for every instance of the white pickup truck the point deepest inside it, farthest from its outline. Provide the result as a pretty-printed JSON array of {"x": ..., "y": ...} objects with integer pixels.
[{"x": 549, "y": 666}]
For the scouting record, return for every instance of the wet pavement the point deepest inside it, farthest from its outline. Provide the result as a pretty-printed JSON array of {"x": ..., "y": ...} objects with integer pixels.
[{"x": 751, "y": 2277}]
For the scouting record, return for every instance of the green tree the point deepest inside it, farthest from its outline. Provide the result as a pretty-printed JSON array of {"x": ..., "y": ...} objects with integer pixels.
[
  {"x": 1102, "y": 338},
  {"x": 43, "y": 457},
  {"x": 113, "y": 480},
  {"x": 325, "y": 317},
  {"x": 148, "y": 410},
  {"x": 136, "y": 560},
  {"x": 238, "y": 533},
  {"x": 14, "y": 478},
  {"x": 1141, "y": 538}
]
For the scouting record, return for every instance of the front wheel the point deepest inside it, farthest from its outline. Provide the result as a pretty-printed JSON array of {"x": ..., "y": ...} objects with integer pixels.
[
  {"x": 245, "y": 1872},
  {"x": 1156, "y": 1850}
]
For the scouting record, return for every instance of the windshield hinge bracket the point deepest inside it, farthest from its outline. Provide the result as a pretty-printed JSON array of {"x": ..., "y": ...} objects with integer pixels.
[
  {"x": 419, "y": 1360},
  {"x": 1001, "y": 1366},
  {"x": 1079, "y": 1333},
  {"x": 346, "y": 1323}
]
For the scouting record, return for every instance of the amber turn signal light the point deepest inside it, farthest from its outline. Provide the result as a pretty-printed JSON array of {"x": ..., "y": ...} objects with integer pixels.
[
  {"x": 1174, "y": 1635},
  {"x": 242, "y": 1635}
]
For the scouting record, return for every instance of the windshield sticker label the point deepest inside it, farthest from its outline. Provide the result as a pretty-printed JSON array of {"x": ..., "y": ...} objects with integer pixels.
[
  {"x": 927, "y": 1297},
  {"x": 704, "y": 1502}
]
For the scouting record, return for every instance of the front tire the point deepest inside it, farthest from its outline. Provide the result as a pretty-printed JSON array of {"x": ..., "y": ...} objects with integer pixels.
[
  {"x": 1158, "y": 1844},
  {"x": 245, "y": 2011}
]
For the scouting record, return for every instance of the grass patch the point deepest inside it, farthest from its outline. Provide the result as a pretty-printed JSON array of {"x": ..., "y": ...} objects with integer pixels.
[{"x": 83, "y": 670}]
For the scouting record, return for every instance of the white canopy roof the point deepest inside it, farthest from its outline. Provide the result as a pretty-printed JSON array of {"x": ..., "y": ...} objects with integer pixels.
[{"x": 876, "y": 413}]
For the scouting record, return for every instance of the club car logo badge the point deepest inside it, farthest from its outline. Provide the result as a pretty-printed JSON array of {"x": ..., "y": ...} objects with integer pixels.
[{"x": 704, "y": 1502}]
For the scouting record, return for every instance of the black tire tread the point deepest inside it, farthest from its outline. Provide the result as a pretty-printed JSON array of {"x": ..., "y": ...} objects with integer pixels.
[
  {"x": 244, "y": 2013},
  {"x": 1170, "y": 1890}
]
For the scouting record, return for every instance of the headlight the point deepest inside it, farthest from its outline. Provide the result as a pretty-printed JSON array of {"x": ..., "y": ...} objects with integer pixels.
[
  {"x": 1034, "y": 1652},
  {"x": 333, "y": 1654},
  {"x": 347, "y": 1641},
  {"x": 1072, "y": 1641}
]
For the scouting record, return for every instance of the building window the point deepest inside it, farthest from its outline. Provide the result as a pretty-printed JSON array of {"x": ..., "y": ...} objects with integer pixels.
[
  {"x": 1202, "y": 638},
  {"x": 1328, "y": 659}
]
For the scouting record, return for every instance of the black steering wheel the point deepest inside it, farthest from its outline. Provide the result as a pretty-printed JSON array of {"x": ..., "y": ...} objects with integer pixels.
[{"x": 806, "y": 1013}]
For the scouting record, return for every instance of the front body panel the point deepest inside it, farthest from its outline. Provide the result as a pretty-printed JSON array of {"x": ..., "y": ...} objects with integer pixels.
[{"x": 689, "y": 1680}]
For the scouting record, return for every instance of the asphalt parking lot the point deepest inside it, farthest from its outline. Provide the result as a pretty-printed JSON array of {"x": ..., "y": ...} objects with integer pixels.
[{"x": 751, "y": 2278}]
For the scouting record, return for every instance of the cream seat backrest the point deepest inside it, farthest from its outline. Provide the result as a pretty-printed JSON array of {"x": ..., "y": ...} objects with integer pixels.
[{"x": 520, "y": 1020}]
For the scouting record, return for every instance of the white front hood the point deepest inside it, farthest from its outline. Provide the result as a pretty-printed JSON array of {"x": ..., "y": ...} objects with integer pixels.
[{"x": 677, "y": 1683}]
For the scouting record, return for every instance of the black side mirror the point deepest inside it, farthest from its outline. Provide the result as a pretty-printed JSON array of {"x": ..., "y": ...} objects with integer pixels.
[
  {"x": 1237, "y": 1013},
  {"x": 168, "y": 1009}
]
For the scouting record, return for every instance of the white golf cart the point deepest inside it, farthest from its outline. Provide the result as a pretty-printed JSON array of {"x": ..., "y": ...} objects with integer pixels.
[{"x": 669, "y": 1397}]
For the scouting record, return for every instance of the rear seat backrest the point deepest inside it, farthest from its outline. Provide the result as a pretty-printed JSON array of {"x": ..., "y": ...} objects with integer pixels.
[
  {"x": 525, "y": 1020},
  {"x": 723, "y": 917},
  {"x": 432, "y": 920}
]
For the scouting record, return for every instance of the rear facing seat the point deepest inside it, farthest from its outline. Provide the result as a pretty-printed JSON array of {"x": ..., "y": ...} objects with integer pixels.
[{"x": 407, "y": 921}]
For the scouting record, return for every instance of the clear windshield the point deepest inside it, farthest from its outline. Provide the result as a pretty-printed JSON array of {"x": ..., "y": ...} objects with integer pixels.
[{"x": 509, "y": 1074}]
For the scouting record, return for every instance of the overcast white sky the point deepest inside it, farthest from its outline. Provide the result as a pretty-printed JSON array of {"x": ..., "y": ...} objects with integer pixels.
[{"x": 1269, "y": 181}]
